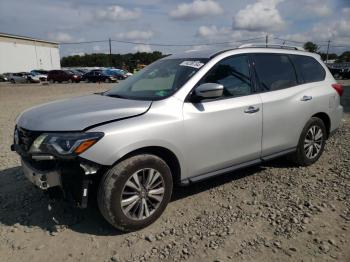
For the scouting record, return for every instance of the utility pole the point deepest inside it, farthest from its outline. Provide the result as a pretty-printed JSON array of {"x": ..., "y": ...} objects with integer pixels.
[
  {"x": 329, "y": 41},
  {"x": 110, "y": 51},
  {"x": 267, "y": 40}
]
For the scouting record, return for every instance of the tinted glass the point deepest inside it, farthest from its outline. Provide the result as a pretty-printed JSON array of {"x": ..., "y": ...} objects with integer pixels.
[
  {"x": 310, "y": 69},
  {"x": 274, "y": 71},
  {"x": 233, "y": 74}
]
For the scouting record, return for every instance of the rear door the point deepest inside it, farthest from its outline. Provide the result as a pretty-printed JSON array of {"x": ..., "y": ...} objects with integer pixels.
[
  {"x": 286, "y": 102},
  {"x": 226, "y": 131}
]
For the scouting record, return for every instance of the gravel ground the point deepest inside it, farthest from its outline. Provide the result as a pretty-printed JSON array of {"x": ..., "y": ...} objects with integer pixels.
[{"x": 272, "y": 212}]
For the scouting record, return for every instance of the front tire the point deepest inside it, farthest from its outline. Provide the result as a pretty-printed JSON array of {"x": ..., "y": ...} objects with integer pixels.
[
  {"x": 311, "y": 143},
  {"x": 135, "y": 192}
]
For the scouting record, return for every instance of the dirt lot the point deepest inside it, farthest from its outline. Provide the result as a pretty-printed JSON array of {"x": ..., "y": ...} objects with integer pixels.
[{"x": 272, "y": 212}]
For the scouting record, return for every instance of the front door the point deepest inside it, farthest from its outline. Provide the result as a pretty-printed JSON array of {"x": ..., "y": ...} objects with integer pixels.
[{"x": 226, "y": 131}]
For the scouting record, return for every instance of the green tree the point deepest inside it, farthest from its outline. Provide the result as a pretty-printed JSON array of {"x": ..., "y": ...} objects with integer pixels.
[
  {"x": 311, "y": 47},
  {"x": 128, "y": 61},
  {"x": 330, "y": 56},
  {"x": 344, "y": 57}
]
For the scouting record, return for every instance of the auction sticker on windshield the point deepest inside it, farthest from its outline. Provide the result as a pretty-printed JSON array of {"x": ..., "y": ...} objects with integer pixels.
[{"x": 194, "y": 64}]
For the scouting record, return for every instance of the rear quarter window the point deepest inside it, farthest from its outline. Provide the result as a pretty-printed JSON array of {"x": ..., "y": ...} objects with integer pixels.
[{"x": 309, "y": 68}]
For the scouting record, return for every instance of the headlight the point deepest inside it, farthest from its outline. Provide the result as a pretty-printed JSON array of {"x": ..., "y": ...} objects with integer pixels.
[{"x": 65, "y": 144}]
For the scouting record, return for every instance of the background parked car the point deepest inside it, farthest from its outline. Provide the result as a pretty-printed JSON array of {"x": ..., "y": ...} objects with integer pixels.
[
  {"x": 63, "y": 75},
  {"x": 17, "y": 78},
  {"x": 41, "y": 74},
  {"x": 31, "y": 78},
  {"x": 76, "y": 72},
  {"x": 82, "y": 70},
  {"x": 3, "y": 78},
  {"x": 39, "y": 71},
  {"x": 117, "y": 73},
  {"x": 99, "y": 76},
  {"x": 21, "y": 77},
  {"x": 344, "y": 73}
]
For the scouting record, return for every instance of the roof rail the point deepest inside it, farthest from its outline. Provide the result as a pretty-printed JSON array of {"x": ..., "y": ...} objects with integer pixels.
[{"x": 272, "y": 46}]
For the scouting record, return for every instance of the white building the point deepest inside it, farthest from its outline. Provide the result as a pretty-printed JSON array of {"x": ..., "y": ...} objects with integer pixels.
[{"x": 23, "y": 54}]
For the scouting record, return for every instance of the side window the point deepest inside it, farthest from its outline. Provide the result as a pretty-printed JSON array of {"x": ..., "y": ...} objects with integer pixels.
[
  {"x": 233, "y": 74},
  {"x": 274, "y": 71},
  {"x": 310, "y": 69}
]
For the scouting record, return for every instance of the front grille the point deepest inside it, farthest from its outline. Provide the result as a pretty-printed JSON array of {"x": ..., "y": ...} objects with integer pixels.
[{"x": 26, "y": 138}]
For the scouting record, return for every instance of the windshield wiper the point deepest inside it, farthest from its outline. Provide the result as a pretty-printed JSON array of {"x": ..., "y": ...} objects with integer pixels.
[{"x": 116, "y": 96}]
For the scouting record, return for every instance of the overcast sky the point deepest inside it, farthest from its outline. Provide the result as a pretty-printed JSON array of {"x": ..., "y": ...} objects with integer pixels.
[{"x": 176, "y": 22}]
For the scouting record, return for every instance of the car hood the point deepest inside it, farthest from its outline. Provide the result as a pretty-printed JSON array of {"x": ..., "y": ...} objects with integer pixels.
[{"x": 77, "y": 114}]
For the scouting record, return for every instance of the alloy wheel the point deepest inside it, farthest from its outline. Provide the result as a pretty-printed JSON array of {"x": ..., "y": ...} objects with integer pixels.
[
  {"x": 142, "y": 194},
  {"x": 313, "y": 142}
]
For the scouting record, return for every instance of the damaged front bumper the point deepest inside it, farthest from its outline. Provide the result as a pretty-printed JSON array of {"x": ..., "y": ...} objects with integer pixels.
[
  {"x": 73, "y": 178},
  {"x": 42, "y": 179}
]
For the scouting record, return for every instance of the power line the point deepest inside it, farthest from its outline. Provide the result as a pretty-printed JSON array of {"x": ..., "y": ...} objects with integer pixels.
[
  {"x": 286, "y": 40},
  {"x": 321, "y": 45},
  {"x": 83, "y": 42},
  {"x": 159, "y": 44}
]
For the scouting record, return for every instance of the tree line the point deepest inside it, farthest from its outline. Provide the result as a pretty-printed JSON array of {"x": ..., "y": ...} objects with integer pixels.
[
  {"x": 127, "y": 61},
  {"x": 132, "y": 61},
  {"x": 314, "y": 48}
]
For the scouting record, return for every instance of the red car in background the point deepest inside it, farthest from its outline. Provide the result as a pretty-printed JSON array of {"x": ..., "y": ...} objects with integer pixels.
[{"x": 63, "y": 76}]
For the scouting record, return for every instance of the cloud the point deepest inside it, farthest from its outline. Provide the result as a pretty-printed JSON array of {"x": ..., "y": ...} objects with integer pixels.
[
  {"x": 143, "y": 48},
  {"x": 60, "y": 37},
  {"x": 213, "y": 31},
  {"x": 116, "y": 13},
  {"x": 196, "y": 9},
  {"x": 77, "y": 53},
  {"x": 96, "y": 48},
  {"x": 319, "y": 7},
  {"x": 298, "y": 37},
  {"x": 321, "y": 10},
  {"x": 260, "y": 16},
  {"x": 338, "y": 31},
  {"x": 346, "y": 11},
  {"x": 330, "y": 31},
  {"x": 135, "y": 35}
]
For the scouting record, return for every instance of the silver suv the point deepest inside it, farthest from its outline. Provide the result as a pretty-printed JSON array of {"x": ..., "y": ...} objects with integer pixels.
[{"x": 184, "y": 118}]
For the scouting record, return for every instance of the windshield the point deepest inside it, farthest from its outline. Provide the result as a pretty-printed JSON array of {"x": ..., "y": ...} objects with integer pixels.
[{"x": 158, "y": 80}]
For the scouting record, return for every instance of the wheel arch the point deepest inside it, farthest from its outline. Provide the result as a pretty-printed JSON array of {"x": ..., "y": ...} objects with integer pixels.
[
  {"x": 164, "y": 153},
  {"x": 326, "y": 120}
]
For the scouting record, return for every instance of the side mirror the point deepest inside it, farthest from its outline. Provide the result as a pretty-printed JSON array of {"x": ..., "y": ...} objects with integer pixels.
[{"x": 209, "y": 90}]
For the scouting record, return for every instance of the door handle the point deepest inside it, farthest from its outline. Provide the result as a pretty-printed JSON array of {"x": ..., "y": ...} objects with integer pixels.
[
  {"x": 251, "y": 110},
  {"x": 306, "y": 98}
]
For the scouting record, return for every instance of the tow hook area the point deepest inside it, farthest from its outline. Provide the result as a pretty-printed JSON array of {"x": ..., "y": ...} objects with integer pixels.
[
  {"x": 43, "y": 180},
  {"x": 88, "y": 170}
]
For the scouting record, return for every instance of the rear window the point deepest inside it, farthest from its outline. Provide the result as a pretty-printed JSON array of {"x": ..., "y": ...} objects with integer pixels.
[
  {"x": 274, "y": 71},
  {"x": 309, "y": 68}
]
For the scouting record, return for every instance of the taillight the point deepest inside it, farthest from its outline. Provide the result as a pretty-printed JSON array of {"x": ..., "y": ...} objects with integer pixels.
[{"x": 339, "y": 88}]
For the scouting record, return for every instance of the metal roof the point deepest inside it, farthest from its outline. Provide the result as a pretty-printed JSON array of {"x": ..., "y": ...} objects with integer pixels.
[{"x": 26, "y": 38}]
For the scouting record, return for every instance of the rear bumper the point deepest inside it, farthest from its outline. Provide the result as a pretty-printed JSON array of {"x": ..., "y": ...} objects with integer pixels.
[
  {"x": 42, "y": 179},
  {"x": 336, "y": 118}
]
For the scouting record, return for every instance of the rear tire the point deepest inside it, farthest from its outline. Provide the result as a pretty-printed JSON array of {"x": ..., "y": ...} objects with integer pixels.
[
  {"x": 311, "y": 143},
  {"x": 135, "y": 192}
]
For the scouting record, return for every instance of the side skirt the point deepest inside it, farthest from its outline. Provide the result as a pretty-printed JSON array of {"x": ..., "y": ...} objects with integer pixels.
[{"x": 226, "y": 170}]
